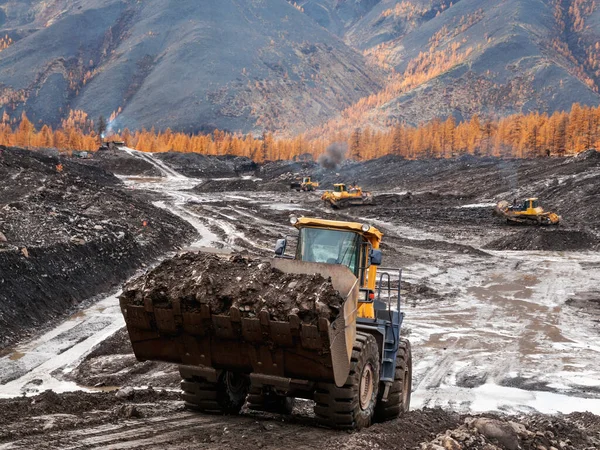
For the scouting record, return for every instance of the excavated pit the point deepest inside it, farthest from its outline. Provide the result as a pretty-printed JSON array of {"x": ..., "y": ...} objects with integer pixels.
[{"x": 251, "y": 285}]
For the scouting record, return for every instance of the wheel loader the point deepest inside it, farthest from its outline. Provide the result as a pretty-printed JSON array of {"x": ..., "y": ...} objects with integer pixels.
[
  {"x": 529, "y": 212},
  {"x": 357, "y": 368},
  {"x": 343, "y": 196}
]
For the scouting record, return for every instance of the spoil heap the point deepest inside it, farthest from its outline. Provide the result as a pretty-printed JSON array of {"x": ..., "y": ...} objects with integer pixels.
[{"x": 251, "y": 285}]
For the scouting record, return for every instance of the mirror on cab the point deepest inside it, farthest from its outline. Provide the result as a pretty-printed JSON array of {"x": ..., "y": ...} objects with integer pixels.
[
  {"x": 375, "y": 257},
  {"x": 280, "y": 247}
]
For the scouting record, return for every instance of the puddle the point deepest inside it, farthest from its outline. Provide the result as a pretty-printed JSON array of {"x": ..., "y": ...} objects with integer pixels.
[{"x": 16, "y": 356}]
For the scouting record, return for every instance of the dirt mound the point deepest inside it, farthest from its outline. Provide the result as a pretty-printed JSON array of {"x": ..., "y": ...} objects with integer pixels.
[
  {"x": 544, "y": 239},
  {"x": 12, "y": 410},
  {"x": 70, "y": 232},
  {"x": 240, "y": 184},
  {"x": 121, "y": 163},
  {"x": 251, "y": 285},
  {"x": 527, "y": 433},
  {"x": 196, "y": 165}
]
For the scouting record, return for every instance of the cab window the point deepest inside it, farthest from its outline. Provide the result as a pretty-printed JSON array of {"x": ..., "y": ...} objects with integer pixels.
[{"x": 329, "y": 246}]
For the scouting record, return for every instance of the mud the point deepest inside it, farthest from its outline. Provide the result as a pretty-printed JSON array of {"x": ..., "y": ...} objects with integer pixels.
[
  {"x": 71, "y": 232},
  {"x": 544, "y": 239},
  {"x": 112, "y": 365},
  {"x": 246, "y": 185},
  {"x": 494, "y": 331},
  {"x": 250, "y": 285}
]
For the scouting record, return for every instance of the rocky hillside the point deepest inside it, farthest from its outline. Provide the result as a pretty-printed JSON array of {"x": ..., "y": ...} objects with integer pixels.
[
  {"x": 189, "y": 65},
  {"x": 295, "y": 65},
  {"x": 473, "y": 57}
]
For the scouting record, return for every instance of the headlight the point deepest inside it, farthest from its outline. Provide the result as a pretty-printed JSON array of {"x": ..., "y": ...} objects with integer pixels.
[
  {"x": 366, "y": 227},
  {"x": 293, "y": 220}
]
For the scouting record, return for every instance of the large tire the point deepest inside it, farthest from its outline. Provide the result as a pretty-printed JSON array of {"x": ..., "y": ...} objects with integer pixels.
[
  {"x": 261, "y": 400},
  {"x": 398, "y": 401},
  {"x": 353, "y": 405},
  {"x": 226, "y": 396}
]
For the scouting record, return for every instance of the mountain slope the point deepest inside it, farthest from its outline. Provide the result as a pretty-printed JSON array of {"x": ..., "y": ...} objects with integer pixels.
[
  {"x": 231, "y": 64},
  {"x": 471, "y": 57}
]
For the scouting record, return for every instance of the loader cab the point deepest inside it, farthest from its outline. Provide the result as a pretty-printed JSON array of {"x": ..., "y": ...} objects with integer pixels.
[
  {"x": 351, "y": 244},
  {"x": 339, "y": 188},
  {"x": 306, "y": 180}
]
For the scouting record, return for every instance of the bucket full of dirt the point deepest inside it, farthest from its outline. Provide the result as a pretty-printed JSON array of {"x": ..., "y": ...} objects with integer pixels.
[{"x": 276, "y": 317}]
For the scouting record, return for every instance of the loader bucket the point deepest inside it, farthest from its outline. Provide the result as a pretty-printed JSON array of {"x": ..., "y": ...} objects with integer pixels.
[{"x": 285, "y": 349}]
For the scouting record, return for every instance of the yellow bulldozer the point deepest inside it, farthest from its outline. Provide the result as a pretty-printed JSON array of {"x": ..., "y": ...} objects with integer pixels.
[
  {"x": 356, "y": 368},
  {"x": 528, "y": 212},
  {"x": 343, "y": 196},
  {"x": 305, "y": 184}
]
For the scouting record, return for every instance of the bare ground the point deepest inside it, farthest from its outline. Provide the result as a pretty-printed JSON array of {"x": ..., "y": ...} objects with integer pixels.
[{"x": 499, "y": 330}]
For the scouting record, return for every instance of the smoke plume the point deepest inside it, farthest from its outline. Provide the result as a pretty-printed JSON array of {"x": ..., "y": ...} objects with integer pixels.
[{"x": 334, "y": 155}]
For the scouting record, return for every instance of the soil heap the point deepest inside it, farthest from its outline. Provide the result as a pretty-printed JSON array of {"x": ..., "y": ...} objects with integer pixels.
[
  {"x": 251, "y": 285},
  {"x": 69, "y": 232}
]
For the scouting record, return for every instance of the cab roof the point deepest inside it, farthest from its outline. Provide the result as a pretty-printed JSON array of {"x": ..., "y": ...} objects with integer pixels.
[{"x": 310, "y": 222}]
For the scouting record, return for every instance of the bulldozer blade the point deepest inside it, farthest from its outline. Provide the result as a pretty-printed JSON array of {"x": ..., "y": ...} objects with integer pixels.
[{"x": 283, "y": 349}]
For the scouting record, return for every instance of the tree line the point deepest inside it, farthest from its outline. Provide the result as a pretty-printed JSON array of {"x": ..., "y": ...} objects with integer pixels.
[{"x": 516, "y": 136}]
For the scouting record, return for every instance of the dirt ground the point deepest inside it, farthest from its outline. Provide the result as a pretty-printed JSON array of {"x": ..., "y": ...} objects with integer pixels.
[{"x": 503, "y": 320}]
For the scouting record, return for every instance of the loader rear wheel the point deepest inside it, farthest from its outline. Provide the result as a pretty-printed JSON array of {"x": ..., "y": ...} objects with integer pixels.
[
  {"x": 398, "y": 401},
  {"x": 352, "y": 406},
  {"x": 268, "y": 401},
  {"x": 226, "y": 396}
]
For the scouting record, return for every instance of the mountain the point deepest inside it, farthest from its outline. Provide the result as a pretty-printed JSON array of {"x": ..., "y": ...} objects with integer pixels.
[
  {"x": 298, "y": 64},
  {"x": 185, "y": 64},
  {"x": 467, "y": 57}
]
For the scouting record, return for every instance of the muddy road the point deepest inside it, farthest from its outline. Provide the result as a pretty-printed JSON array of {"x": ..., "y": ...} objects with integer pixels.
[{"x": 510, "y": 332}]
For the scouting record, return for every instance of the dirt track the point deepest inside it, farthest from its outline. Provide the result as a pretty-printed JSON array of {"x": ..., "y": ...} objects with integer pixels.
[{"x": 491, "y": 330}]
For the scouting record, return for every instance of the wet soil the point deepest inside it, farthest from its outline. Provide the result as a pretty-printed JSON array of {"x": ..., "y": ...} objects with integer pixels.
[
  {"x": 546, "y": 239},
  {"x": 453, "y": 295},
  {"x": 245, "y": 185},
  {"x": 70, "y": 232},
  {"x": 251, "y": 285},
  {"x": 112, "y": 365}
]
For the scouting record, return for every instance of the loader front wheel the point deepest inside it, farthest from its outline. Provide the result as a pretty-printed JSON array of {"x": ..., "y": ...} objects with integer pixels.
[
  {"x": 268, "y": 401},
  {"x": 352, "y": 406},
  {"x": 226, "y": 396},
  {"x": 398, "y": 401}
]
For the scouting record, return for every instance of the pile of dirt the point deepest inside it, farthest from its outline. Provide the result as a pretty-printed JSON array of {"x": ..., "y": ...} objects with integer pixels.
[
  {"x": 196, "y": 165},
  {"x": 546, "y": 239},
  {"x": 68, "y": 233},
  {"x": 240, "y": 185},
  {"x": 251, "y": 285},
  {"x": 533, "y": 432},
  {"x": 121, "y": 163},
  {"x": 49, "y": 402}
]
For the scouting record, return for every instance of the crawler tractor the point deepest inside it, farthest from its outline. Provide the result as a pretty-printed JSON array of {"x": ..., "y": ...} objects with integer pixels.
[
  {"x": 306, "y": 184},
  {"x": 357, "y": 368},
  {"x": 343, "y": 196},
  {"x": 527, "y": 212}
]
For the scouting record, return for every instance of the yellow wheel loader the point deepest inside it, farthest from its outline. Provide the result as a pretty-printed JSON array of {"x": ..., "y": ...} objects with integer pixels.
[
  {"x": 528, "y": 212},
  {"x": 356, "y": 368},
  {"x": 343, "y": 196}
]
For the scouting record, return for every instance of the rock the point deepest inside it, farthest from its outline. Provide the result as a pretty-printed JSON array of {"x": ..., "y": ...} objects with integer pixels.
[
  {"x": 25, "y": 252},
  {"x": 498, "y": 431},
  {"x": 3, "y": 237},
  {"x": 127, "y": 411},
  {"x": 450, "y": 444},
  {"x": 77, "y": 240},
  {"x": 431, "y": 446},
  {"x": 126, "y": 392}
]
